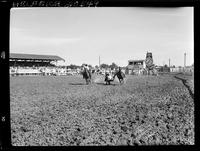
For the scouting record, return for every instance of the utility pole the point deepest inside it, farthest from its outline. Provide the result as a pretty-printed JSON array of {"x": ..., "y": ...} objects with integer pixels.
[
  {"x": 169, "y": 62},
  {"x": 99, "y": 62},
  {"x": 184, "y": 60}
]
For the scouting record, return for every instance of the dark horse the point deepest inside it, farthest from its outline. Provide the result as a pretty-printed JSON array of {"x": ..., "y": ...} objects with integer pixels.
[
  {"x": 87, "y": 75},
  {"x": 120, "y": 75}
]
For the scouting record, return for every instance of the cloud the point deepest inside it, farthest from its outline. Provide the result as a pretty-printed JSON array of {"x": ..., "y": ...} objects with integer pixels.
[
  {"x": 51, "y": 41},
  {"x": 22, "y": 37}
]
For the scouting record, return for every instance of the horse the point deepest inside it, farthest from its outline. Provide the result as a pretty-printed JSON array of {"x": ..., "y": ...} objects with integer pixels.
[
  {"x": 87, "y": 76},
  {"x": 120, "y": 75}
]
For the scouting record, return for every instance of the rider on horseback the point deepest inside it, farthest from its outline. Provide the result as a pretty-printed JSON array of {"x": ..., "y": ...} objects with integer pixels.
[
  {"x": 86, "y": 67},
  {"x": 87, "y": 74},
  {"x": 120, "y": 75},
  {"x": 118, "y": 72}
]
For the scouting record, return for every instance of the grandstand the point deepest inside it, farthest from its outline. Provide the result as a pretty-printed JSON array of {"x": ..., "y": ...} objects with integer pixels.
[
  {"x": 32, "y": 64},
  {"x": 30, "y": 60}
]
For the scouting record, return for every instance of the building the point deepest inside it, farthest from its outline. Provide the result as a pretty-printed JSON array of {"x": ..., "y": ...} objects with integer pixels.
[
  {"x": 187, "y": 69},
  {"x": 32, "y": 64},
  {"x": 17, "y": 59},
  {"x": 135, "y": 66}
]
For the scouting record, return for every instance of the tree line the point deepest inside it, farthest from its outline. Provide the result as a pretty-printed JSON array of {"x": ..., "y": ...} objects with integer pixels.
[{"x": 103, "y": 65}]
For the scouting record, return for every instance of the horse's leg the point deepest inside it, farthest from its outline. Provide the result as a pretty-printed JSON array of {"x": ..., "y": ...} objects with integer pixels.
[{"x": 120, "y": 81}]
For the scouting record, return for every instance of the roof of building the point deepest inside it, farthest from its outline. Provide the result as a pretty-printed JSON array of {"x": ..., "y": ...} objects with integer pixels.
[
  {"x": 136, "y": 60},
  {"x": 34, "y": 57}
]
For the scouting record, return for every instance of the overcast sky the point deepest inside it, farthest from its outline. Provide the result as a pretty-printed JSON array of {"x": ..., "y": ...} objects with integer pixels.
[{"x": 117, "y": 34}]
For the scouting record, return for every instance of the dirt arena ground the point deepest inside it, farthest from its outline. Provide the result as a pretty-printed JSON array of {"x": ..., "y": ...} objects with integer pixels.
[{"x": 62, "y": 110}]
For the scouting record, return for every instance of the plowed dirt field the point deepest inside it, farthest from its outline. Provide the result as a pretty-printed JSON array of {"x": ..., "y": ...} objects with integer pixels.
[{"x": 62, "y": 110}]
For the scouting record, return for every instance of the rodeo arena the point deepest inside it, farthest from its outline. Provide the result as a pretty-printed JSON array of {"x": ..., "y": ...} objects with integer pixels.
[
  {"x": 139, "y": 104},
  {"x": 32, "y": 64}
]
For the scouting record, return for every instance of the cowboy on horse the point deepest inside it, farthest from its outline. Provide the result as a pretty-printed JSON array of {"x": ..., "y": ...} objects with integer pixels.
[
  {"x": 120, "y": 75},
  {"x": 87, "y": 74}
]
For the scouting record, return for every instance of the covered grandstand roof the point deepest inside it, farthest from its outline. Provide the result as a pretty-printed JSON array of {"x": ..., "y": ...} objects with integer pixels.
[{"x": 34, "y": 57}]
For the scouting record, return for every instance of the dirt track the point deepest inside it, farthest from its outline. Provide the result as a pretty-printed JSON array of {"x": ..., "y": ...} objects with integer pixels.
[{"x": 64, "y": 111}]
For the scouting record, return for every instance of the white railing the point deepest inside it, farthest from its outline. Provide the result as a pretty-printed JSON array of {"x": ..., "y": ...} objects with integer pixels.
[
  {"x": 42, "y": 71},
  {"x": 177, "y": 69},
  {"x": 25, "y": 72},
  {"x": 28, "y": 71}
]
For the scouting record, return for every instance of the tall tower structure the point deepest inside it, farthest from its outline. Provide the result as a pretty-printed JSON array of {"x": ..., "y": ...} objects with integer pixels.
[
  {"x": 149, "y": 60},
  {"x": 149, "y": 64}
]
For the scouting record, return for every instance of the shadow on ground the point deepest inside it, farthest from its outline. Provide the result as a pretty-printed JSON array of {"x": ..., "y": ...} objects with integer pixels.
[
  {"x": 106, "y": 84},
  {"x": 92, "y": 83},
  {"x": 77, "y": 84}
]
